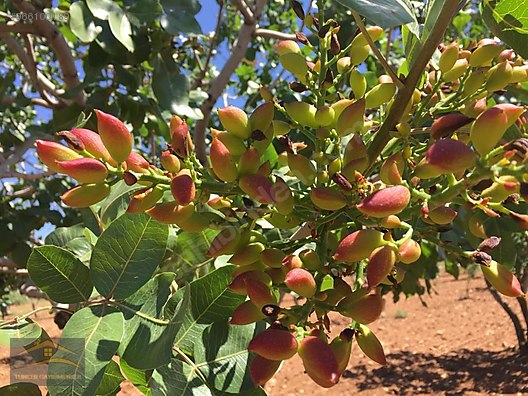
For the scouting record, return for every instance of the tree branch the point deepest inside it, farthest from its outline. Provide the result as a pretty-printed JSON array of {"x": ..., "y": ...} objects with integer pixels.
[
  {"x": 242, "y": 6},
  {"x": 58, "y": 44},
  {"x": 405, "y": 94},
  {"x": 7, "y": 100},
  {"x": 268, "y": 33},
  {"x": 17, "y": 27},
  {"x": 25, "y": 176},
  {"x": 217, "y": 87}
]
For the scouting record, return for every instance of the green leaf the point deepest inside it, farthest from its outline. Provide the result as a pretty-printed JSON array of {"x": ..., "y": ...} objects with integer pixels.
[
  {"x": 139, "y": 378},
  {"x": 144, "y": 11},
  {"x": 127, "y": 254},
  {"x": 62, "y": 235},
  {"x": 170, "y": 87},
  {"x": 178, "y": 378},
  {"x": 121, "y": 28},
  {"x": 101, "y": 8},
  {"x": 112, "y": 378},
  {"x": 26, "y": 328},
  {"x": 223, "y": 358},
  {"x": 59, "y": 274},
  {"x": 116, "y": 203},
  {"x": 82, "y": 23},
  {"x": 20, "y": 388},
  {"x": 101, "y": 327},
  {"x": 210, "y": 301},
  {"x": 149, "y": 344},
  {"x": 508, "y": 20},
  {"x": 385, "y": 13},
  {"x": 179, "y": 16}
]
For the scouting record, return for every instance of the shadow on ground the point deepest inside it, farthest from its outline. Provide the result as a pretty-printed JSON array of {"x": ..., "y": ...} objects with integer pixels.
[{"x": 466, "y": 371}]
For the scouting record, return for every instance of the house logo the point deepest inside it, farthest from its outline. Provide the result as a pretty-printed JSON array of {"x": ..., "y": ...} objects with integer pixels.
[{"x": 44, "y": 361}]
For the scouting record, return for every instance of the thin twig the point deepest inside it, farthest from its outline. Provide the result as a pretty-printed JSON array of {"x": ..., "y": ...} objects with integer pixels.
[
  {"x": 27, "y": 315},
  {"x": 377, "y": 53},
  {"x": 268, "y": 33}
]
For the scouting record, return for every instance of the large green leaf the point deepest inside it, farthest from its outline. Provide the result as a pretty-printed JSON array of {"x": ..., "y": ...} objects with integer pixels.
[
  {"x": 82, "y": 23},
  {"x": 508, "y": 20},
  {"x": 170, "y": 86},
  {"x": 19, "y": 389},
  {"x": 101, "y": 327},
  {"x": 148, "y": 343},
  {"x": 112, "y": 378},
  {"x": 179, "y": 16},
  {"x": 25, "y": 328},
  {"x": 144, "y": 11},
  {"x": 223, "y": 358},
  {"x": 59, "y": 274},
  {"x": 210, "y": 301},
  {"x": 127, "y": 254},
  {"x": 385, "y": 13},
  {"x": 116, "y": 203},
  {"x": 121, "y": 28},
  {"x": 62, "y": 235}
]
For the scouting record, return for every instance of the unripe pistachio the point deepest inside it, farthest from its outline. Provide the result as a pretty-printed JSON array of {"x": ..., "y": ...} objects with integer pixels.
[
  {"x": 319, "y": 361},
  {"x": 302, "y": 168},
  {"x": 262, "y": 370},
  {"x": 256, "y": 266},
  {"x": 392, "y": 169},
  {"x": 238, "y": 285},
  {"x": 272, "y": 257},
  {"x": 277, "y": 275},
  {"x": 409, "y": 251},
  {"x": 170, "y": 162},
  {"x": 246, "y": 313},
  {"x": 324, "y": 116},
  {"x": 50, "y": 153},
  {"x": 280, "y": 127},
  {"x": 375, "y": 33},
  {"x": 290, "y": 262},
  {"x": 341, "y": 346},
  {"x": 287, "y": 47},
  {"x": 358, "y": 83},
  {"x": 310, "y": 260},
  {"x": 340, "y": 290},
  {"x": 249, "y": 162},
  {"x": 136, "y": 163},
  {"x": 474, "y": 108},
  {"x": 92, "y": 143},
  {"x": 144, "y": 199},
  {"x": 295, "y": 64},
  {"x": 370, "y": 345},
  {"x": 380, "y": 264},
  {"x": 488, "y": 129},
  {"x": 519, "y": 74},
  {"x": 359, "y": 54},
  {"x": 390, "y": 222},
  {"x": 257, "y": 187},
  {"x": 358, "y": 245},
  {"x": 247, "y": 254},
  {"x": 84, "y": 170},
  {"x": 502, "y": 279},
  {"x": 115, "y": 136},
  {"x": 262, "y": 117},
  {"x": 266, "y": 94},
  {"x": 448, "y": 58},
  {"x": 183, "y": 188},
  {"x": 181, "y": 141},
  {"x": 343, "y": 64},
  {"x": 328, "y": 198},
  {"x": 281, "y": 221},
  {"x": 446, "y": 125},
  {"x": 235, "y": 121},
  {"x": 442, "y": 215},
  {"x": 274, "y": 344},
  {"x": 425, "y": 170},
  {"x": 456, "y": 71},
  {"x": 197, "y": 222},
  {"x": 233, "y": 144},
  {"x": 351, "y": 119},
  {"x": 283, "y": 197},
  {"x": 85, "y": 195},
  {"x": 226, "y": 242},
  {"x": 302, "y": 113},
  {"x": 499, "y": 76},
  {"x": 380, "y": 94},
  {"x": 395, "y": 277},
  {"x": 355, "y": 158},
  {"x": 476, "y": 226},
  {"x": 362, "y": 306},
  {"x": 338, "y": 107},
  {"x": 301, "y": 282},
  {"x": 484, "y": 54},
  {"x": 171, "y": 212},
  {"x": 450, "y": 156},
  {"x": 501, "y": 189},
  {"x": 222, "y": 162},
  {"x": 385, "y": 202}
]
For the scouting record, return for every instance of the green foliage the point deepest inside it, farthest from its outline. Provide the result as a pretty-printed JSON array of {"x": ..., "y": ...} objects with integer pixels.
[{"x": 385, "y": 13}]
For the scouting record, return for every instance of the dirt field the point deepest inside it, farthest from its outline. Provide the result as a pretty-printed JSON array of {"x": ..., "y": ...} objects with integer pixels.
[{"x": 462, "y": 344}]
